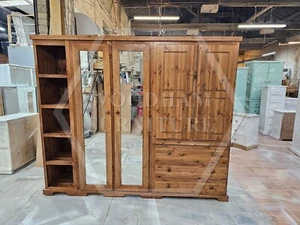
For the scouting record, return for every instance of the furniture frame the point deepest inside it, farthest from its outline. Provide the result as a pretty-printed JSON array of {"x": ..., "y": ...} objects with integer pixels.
[{"x": 192, "y": 161}]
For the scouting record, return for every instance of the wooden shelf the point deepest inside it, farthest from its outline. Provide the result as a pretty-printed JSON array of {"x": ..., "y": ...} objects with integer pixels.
[
  {"x": 64, "y": 183},
  {"x": 60, "y": 175},
  {"x": 60, "y": 161},
  {"x": 61, "y": 76},
  {"x": 58, "y": 134},
  {"x": 55, "y": 106}
]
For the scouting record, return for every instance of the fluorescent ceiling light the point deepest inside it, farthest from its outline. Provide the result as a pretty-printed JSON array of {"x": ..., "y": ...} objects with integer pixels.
[
  {"x": 290, "y": 43},
  {"x": 2, "y": 29},
  {"x": 280, "y": 44},
  {"x": 156, "y": 17},
  {"x": 260, "y": 26},
  {"x": 268, "y": 54},
  {"x": 293, "y": 42}
]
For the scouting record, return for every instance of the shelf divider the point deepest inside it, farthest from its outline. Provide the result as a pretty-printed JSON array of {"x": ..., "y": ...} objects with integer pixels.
[
  {"x": 59, "y": 76},
  {"x": 55, "y": 106}
]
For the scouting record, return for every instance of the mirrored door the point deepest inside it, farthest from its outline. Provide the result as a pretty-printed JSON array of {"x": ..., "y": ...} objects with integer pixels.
[
  {"x": 93, "y": 81},
  {"x": 131, "y": 114}
]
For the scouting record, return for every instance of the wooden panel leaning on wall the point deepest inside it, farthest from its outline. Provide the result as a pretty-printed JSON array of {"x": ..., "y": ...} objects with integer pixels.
[{"x": 191, "y": 87}]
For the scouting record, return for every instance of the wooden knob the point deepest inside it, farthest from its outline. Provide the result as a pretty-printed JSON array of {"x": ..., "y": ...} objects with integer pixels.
[
  {"x": 107, "y": 112},
  {"x": 169, "y": 169},
  {"x": 117, "y": 112}
]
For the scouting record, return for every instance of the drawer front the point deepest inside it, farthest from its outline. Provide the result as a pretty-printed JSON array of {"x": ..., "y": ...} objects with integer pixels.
[
  {"x": 253, "y": 110},
  {"x": 273, "y": 106},
  {"x": 254, "y": 104},
  {"x": 191, "y": 169},
  {"x": 238, "y": 137},
  {"x": 277, "y": 99},
  {"x": 278, "y": 91}
]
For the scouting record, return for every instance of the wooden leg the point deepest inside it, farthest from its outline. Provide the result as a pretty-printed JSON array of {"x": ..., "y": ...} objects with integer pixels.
[
  {"x": 82, "y": 193},
  {"x": 113, "y": 194},
  {"x": 223, "y": 198},
  {"x": 47, "y": 192}
]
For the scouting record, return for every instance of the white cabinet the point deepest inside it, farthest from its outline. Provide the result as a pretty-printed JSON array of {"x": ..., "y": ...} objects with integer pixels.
[
  {"x": 245, "y": 131},
  {"x": 272, "y": 98},
  {"x": 290, "y": 104},
  {"x": 27, "y": 99},
  {"x": 283, "y": 125},
  {"x": 17, "y": 75},
  {"x": 18, "y": 140},
  {"x": 296, "y": 136}
]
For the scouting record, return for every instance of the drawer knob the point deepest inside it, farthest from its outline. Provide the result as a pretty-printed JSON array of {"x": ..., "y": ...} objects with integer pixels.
[
  {"x": 169, "y": 169},
  {"x": 168, "y": 185},
  {"x": 169, "y": 153}
]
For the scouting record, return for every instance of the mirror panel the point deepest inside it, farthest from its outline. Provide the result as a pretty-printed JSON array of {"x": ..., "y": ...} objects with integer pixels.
[
  {"x": 92, "y": 80},
  {"x": 131, "y": 82}
]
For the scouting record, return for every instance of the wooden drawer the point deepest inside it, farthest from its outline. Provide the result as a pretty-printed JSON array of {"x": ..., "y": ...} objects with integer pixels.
[
  {"x": 190, "y": 186},
  {"x": 189, "y": 169}
]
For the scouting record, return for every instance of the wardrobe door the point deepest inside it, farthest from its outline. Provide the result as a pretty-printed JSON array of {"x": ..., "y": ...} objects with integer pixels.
[
  {"x": 174, "y": 69},
  {"x": 215, "y": 87}
]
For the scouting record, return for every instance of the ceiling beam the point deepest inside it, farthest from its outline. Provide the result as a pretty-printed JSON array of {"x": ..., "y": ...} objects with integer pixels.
[
  {"x": 250, "y": 41},
  {"x": 198, "y": 26},
  {"x": 184, "y": 26},
  {"x": 228, "y": 3},
  {"x": 292, "y": 16},
  {"x": 256, "y": 15}
]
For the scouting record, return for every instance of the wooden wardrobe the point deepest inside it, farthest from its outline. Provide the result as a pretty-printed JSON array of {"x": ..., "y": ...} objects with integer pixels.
[{"x": 188, "y": 96}]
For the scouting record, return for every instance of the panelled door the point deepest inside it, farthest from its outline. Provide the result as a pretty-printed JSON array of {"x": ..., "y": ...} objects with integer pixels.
[
  {"x": 193, "y": 91},
  {"x": 173, "y": 90},
  {"x": 214, "y": 92}
]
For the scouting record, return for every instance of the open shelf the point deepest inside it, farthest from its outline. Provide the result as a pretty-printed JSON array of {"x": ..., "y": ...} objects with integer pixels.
[
  {"x": 62, "y": 76},
  {"x": 60, "y": 162},
  {"x": 58, "y": 151},
  {"x": 58, "y": 134},
  {"x": 53, "y": 91},
  {"x": 56, "y": 121},
  {"x": 55, "y": 106},
  {"x": 60, "y": 176},
  {"x": 51, "y": 59}
]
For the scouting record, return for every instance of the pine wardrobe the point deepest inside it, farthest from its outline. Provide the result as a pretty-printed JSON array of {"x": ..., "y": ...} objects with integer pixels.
[{"x": 188, "y": 88}]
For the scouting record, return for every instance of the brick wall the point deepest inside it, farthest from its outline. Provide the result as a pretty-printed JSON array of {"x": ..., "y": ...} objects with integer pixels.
[
  {"x": 107, "y": 14},
  {"x": 42, "y": 10}
]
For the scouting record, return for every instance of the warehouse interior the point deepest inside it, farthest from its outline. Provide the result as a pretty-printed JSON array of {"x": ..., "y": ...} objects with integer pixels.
[{"x": 149, "y": 112}]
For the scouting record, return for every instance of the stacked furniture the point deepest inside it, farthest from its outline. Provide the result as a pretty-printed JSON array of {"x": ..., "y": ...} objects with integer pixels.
[
  {"x": 272, "y": 97},
  {"x": 245, "y": 131},
  {"x": 290, "y": 103},
  {"x": 186, "y": 153},
  {"x": 296, "y": 136},
  {"x": 283, "y": 125},
  {"x": 18, "y": 138},
  {"x": 261, "y": 73},
  {"x": 240, "y": 89}
]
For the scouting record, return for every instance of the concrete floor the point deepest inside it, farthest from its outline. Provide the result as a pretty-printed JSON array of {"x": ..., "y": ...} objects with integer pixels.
[{"x": 264, "y": 188}]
